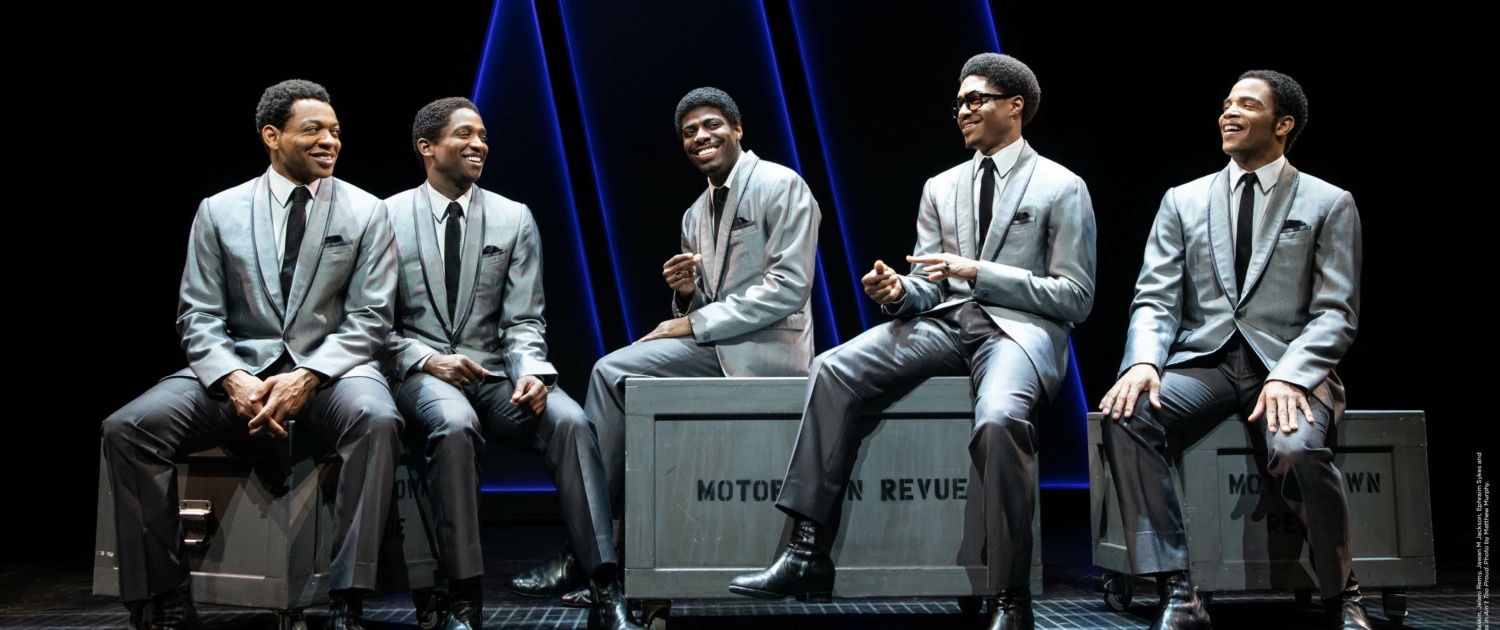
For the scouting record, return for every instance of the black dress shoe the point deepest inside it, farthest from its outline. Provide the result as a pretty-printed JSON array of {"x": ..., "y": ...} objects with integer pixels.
[
  {"x": 345, "y": 610},
  {"x": 1179, "y": 607},
  {"x": 1012, "y": 610},
  {"x": 804, "y": 570},
  {"x": 610, "y": 610},
  {"x": 465, "y": 614},
  {"x": 578, "y": 599},
  {"x": 174, "y": 610},
  {"x": 559, "y": 574},
  {"x": 1347, "y": 611}
]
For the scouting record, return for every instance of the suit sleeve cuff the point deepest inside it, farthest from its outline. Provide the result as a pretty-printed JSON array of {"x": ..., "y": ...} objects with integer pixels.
[{"x": 701, "y": 331}]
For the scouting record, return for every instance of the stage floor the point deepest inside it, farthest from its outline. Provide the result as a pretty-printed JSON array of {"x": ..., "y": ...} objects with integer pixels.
[{"x": 59, "y": 595}]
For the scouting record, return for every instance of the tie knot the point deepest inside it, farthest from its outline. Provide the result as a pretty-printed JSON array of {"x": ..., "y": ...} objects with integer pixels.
[
  {"x": 455, "y": 210},
  {"x": 1249, "y": 179},
  {"x": 721, "y": 194},
  {"x": 988, "y": 165},
  {"x": 300, "y": 195}
]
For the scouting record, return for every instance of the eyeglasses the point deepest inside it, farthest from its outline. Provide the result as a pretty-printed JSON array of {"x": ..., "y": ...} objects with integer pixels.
[{"x": 975, "y": 100}]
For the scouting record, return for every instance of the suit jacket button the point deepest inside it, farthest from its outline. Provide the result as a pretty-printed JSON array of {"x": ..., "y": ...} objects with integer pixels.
[
  {"x": 707, "y": 336},
  {"x": 984, "y": 294}
]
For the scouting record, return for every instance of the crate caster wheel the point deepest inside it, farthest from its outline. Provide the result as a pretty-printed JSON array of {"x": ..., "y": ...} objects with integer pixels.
[
  {"x": 431, "y": 607},
  {"x": 1393, "y": 600},
  {"x": 654, "y": 613},
  {"x": 291, "y": 620},
  {"x": 1118, "y": 590},
  {"x": 970, "y": 604}
]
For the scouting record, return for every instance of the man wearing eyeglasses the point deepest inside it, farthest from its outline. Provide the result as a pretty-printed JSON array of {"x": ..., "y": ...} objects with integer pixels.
[
  {"x": 1003, "y": 268},
  {"x": 1247, "y": 299}
]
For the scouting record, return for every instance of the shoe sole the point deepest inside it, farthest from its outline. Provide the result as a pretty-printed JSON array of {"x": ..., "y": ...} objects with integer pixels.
[
  {"x": 813, "y": 596},
  {"x": 528, "y": 593},
  {"x": 537, "y": 595}
]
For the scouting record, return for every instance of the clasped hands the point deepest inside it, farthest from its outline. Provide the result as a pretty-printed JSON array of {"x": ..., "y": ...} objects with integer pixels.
[{"x": 267, "y": 404}]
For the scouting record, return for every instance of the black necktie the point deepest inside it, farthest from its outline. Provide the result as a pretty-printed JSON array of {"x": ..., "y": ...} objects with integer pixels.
[
  {"x": 452, "y": 248},
  {"x": 721, "y": 196},
  {"x": 296, "y": 224},
  {"x": 1243, "y": 231},
  {"x": 986, "y": 198}
]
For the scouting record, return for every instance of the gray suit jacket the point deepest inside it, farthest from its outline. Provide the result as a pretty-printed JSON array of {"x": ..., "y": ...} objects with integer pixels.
[
  {"x": 1302, "y": 307},
  {"x": 230, "y": 315},
  {"x": 753, "y": 286},
  {"x": 499, "y": 320},
  {"x": 1036, "y": 270}
]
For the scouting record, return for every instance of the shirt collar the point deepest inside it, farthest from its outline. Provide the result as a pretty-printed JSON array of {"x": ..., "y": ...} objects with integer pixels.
[
  {"x": 1265, "y": 176},
  {"x": 1005, "y": 159},
  {"x": 730, "y": 180},
  {"x": 281, "y": 187},
  {"x": 439, "y": 203}
]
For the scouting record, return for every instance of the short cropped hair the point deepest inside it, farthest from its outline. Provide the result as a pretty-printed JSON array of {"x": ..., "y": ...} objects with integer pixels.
[
  {"x": 1290, "y": 101},
  {"x": 1008, "y": 75},
  {"x": 433, "y": 116},
  {"x": 275, "y": 106},
  {"x": 707, "y": 97}
]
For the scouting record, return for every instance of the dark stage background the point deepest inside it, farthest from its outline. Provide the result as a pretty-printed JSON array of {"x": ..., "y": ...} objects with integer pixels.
[{"x": 577, "y": 97}]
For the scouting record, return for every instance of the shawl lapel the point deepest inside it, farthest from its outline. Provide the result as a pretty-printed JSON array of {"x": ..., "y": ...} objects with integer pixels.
[
  {"x": 468, "y": 276},
  {"x": 1009, "y": 201},
  {"x": 1277, "y": 209},
  {"x": 717, "y": 257},
  {"x": 432, "y": 258},
  {"x": 961, "y": 214},
  {"x": 263, "y": 239},
  {"x": 319, "y": 216},
  {"x": 1220, "y": 234}
]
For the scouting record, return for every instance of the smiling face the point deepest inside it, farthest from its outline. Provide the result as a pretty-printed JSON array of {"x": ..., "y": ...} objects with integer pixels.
[
  {"x": 711, "y": 143},
  {"x": 1251, "y": 132},
  {"x": 306, "y": 146},
  {"x": 455, "y": 159},
  {"x": 996, "y": 123}
]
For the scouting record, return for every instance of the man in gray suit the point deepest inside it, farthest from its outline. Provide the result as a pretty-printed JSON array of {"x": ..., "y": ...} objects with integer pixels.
[
  {"x": 740, "y": 287},
  {"x": 1247, "y": 299},
  {"x": 468, "y": 359},
  {"x": 1003, "y": 268},
  {"x": 285, "y": 298}
]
